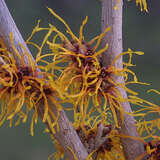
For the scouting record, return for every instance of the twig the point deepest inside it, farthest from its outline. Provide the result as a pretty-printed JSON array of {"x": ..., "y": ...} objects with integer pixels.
[
  {"x": 113, "y": 18},
  {"x": 66, "y": 135}
]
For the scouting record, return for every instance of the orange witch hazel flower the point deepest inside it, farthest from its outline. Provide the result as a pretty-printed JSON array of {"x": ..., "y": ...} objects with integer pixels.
[
  {"x": 22, "y": 87},
  {"x": 84, "y": 78},
  {"x": 75, "y": 75},
  {"x": 100, "y": 138},
  {"x": 148, "y": 123},
  {"x": 143, "y": 4},
  {"x": 152, "y": 150}
]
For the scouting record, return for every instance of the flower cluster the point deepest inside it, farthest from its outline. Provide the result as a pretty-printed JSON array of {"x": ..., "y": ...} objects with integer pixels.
[
  {"x": 100, "y": 138},
  {"x": 153, "y": 150},
  {"x": 83, "y": 81},
  {"x": 22, "y": 88},
  {"x": 74, "y": 76},
  {"x": 143, "y": 4}
]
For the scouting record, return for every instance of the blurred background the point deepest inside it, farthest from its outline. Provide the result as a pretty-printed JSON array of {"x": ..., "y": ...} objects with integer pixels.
[{"x": 141, "y": 32}]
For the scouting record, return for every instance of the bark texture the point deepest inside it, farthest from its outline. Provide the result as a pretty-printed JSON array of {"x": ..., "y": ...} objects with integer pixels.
[
  {"x": 66, "y": 135},
  {"x": 113, "y": 18}
]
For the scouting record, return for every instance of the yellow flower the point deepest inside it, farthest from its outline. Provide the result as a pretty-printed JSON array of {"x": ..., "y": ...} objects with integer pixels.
[
  {"x": 79, "y": 78},
  {"x": 83, "y": 80},
  {"x": 148, "y": 124},
  {"x": 100, "y": 138},
  {"x": 143, "y": 4},
  {"x": 153, "y": 149},
  {"x": 23, "y": 88}
]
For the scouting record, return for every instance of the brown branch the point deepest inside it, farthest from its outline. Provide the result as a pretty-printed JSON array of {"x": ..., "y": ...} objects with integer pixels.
[
  {"x": 113, "y": 18},
  {"x": 66, "y": 135}
]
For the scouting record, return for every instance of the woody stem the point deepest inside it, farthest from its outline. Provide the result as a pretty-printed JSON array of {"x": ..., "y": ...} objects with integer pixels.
[{"x": 113, "y": 17}]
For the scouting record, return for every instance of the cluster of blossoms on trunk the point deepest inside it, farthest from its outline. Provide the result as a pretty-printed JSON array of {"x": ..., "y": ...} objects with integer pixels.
[{"x": 68, "y": 70}]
